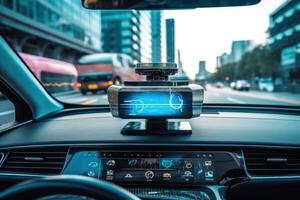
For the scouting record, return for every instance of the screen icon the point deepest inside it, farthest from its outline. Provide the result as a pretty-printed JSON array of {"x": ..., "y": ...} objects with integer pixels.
[
  {"x": 149, "y": 175},
  {"x": 111, "y": 163},
  {"x": 188, "y": 165},
  {"x": 199, "y": 171},
  {"x": 93, "y": 164},
  {"x": 109, "y": 173},
  {"x": 208, "y": 163},
  {"x": 188, "y": 174},
  {"x": 132, "y": 162},
  {"x": 128, "y": 175},
  {"x": 167, "y": 175},
  {"x": 209, "y": 174},
  {"x": 91, "y": 174},
  {"x": 167, "y": 163}
]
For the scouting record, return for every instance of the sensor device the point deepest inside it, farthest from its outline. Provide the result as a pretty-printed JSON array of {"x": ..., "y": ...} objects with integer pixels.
[{"x": 157, "y": 99}]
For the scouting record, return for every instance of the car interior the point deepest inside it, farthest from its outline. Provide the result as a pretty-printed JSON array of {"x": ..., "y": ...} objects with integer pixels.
[{"x": 132, "y": 150}]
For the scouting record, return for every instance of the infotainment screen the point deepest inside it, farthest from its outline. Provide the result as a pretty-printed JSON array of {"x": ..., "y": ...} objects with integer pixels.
[
  {"x": 158, "y": 167},
  {"x": 155, "y": 104}
]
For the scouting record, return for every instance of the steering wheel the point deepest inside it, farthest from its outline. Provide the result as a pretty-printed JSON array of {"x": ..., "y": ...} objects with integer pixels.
[{"x": 67, "y": 184}]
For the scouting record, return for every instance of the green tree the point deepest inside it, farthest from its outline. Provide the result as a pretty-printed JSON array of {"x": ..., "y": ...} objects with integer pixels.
[{"x": 260, "y": 62}]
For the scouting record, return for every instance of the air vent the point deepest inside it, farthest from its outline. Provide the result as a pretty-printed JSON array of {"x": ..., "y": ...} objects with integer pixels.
[
  {"x": 48, "y": 160},
  {"x": 272, "y": 162}
]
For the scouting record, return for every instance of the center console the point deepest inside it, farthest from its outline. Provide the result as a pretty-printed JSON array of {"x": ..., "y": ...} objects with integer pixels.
[
  {"x": 158, "y": 174},
  {"x": 153, "y": 167}
]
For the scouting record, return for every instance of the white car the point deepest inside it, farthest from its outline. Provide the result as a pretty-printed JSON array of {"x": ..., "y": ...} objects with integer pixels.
[
  {"x": 219, "y": 85},
  {"x": 242, "y": 85},
  {"x": 232, "y": 85},
  {"x": 266, "y": 85}
]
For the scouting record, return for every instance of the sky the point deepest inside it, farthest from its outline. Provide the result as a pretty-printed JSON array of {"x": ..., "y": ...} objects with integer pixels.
[{"x": 203, "y": 34}]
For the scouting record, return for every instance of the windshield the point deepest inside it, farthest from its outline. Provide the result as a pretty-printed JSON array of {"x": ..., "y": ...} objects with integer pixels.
[{"x": 239, "y": 55}]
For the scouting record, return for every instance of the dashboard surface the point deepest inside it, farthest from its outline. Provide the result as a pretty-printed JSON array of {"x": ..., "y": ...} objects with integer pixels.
[
  {"x": 217, "y": 155},
  {"x": 222, "y": 128}
]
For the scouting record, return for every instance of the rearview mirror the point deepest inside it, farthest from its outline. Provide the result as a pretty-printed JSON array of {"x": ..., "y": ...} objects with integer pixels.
[{"x": 163, "y": 4}]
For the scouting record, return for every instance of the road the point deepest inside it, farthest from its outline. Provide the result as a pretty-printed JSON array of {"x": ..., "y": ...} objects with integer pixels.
[
  {"x": 227, "y": 95},
  {"x": 211, "y": 95}
]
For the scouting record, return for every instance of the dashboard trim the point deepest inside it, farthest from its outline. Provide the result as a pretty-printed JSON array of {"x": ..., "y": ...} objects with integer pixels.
[{"x": 95, "y": 144}]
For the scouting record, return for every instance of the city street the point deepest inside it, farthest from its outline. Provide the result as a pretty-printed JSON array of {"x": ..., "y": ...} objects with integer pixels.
[{"x": 212, "y": 95}]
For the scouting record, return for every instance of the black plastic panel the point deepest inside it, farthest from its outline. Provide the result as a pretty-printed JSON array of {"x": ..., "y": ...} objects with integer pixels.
[{"x": 255, "y": 129}]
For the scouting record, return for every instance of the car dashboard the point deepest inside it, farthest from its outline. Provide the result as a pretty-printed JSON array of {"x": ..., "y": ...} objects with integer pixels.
[{"x": 226, "y": 150}]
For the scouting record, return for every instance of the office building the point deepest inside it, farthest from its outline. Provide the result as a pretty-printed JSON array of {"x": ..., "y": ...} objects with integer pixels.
[
  {"x": 170, "y": 40},
  {"x": 156, "y": 33},
  {"x": 127, "y": 32},
  {"x": 202, "y": 73},
  {"x": 202, "y": 68},
  {"x": 239, "y": 48},
  {"x": 145, "y": 36},
  {"x": 223, "y": 60},
  {"x": 60, "y": 29},
  {"x": 284, "y": 38}
]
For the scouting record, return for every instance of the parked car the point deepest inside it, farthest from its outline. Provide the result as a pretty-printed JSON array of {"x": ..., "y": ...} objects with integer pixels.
[
  {"x": 232, "y": 85},
  {"x": 266, "y": 85},
  {"x": 242, "y": 85},
  {"x": 94, "y": 82},
  {"x": 119, "y": 65},
  {"x": 219, "y": 85}
]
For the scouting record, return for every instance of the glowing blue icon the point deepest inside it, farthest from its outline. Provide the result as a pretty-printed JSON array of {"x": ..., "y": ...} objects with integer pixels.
[
  {"x": 199, "y": 172},
  {"x": 167, "y": 163},
  {"x": 209, "y": 174},
  {"x": 176, "y": 101},
  {"x": 136, "y": 106}
]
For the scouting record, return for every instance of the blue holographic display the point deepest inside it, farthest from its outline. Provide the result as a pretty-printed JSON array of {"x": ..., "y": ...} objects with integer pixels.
[{"x": 155, "y": 104}]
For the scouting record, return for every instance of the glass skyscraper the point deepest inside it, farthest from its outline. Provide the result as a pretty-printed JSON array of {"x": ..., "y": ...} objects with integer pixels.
[
  {"x": 156, "y": 32},
  {"x": 284, "y": 31},
  {"x": 170, "y": 39},
  {"x": 58, "y": 29},
  {"x": 130, "y": 32}
]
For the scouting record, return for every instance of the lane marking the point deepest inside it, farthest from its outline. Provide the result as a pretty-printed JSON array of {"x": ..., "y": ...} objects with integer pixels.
[
  {"x": 235, "y": 100},
  {"x": 259, "y": 96},
  {"x": 216, "y": 94},
  {"x": 89, "y": 102},
  {"x": 7, "y": 112}
]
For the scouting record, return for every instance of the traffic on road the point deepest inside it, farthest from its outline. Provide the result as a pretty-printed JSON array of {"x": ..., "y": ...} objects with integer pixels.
[{"x": 103, "y": 49}]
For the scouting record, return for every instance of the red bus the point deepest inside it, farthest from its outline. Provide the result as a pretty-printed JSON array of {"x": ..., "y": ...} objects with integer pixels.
[{"x": 56, "y": 75}]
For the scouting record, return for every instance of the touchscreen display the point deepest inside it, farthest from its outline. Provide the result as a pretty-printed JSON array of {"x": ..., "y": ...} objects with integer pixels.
[
  {"x": 155, "y": 104},
  {"x": 158, "y": 167}
]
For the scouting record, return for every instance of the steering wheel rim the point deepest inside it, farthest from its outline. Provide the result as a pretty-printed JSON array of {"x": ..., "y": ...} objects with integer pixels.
[{"x": 67, "y": 184}]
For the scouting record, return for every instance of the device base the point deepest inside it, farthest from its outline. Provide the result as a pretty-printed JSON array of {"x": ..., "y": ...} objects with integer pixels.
[{"x": 151, "y": 127}]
